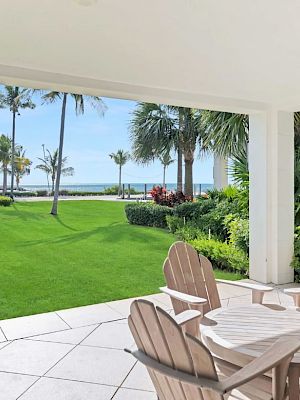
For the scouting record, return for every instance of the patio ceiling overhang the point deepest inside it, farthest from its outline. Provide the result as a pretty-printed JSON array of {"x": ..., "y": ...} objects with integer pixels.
[{"x": 234, "y": 55}]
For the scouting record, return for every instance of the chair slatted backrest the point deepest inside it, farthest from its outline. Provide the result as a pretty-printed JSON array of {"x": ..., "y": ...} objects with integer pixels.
[
  {"x": 158, "y": 336},
  {"x": 190, "y": 273}
]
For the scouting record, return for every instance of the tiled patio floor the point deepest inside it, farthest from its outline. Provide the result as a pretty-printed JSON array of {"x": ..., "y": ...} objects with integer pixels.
[{"x": 77, "y": 354}]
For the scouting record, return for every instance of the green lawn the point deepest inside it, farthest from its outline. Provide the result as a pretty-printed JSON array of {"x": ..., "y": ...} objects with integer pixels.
[{"x": 88, "y": 254}]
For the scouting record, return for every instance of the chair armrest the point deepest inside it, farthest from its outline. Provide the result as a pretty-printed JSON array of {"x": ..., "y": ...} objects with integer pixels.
[
  {"x": 187, "y": 316},
  {"x": 282, "y": 350},
  {"x": 187, "y": 298},
  {"x": 258, "y": 291},
  {"x": 183, "y": 377},
  {"x": 247, "y": 285},
  {"x": 295, "y": 292}
]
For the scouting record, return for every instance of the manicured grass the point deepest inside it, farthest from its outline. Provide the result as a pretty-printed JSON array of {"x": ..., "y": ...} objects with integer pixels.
[{"x": 88, "y": 254}]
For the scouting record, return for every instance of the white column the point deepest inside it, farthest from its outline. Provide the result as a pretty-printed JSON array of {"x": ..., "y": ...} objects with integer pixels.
[
  {"x": 220, "y": 172},
  {"x": 271, "y": 166}
]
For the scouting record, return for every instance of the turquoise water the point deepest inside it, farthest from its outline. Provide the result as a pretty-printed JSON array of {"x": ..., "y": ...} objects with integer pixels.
[{"x": 100, "y": 187}]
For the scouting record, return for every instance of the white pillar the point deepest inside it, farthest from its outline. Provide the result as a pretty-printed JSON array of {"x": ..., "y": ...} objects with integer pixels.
[
  {"x": 271, "y": 166},
  {"x": 220, "y": 172}
]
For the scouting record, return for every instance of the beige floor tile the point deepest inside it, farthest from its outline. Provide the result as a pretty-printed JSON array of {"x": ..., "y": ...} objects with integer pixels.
[
  {"x": 31, "y": 357},
  {"x": 94, "y": 365},
  {"x": 70, "y": 336},
  {"x": 88, "y": 315},
  {"x": 112, "y": 335},
  {"x": 13, "y": 385},
  {"x": 22, "y": 327},
  {"x": 129, "y": 394},
  {"x": 58, "y": 389},
  {"x": 138, "y": 379}
]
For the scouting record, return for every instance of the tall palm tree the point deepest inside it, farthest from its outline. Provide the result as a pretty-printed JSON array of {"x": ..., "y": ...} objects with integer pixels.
[
  {"x": 157, "y": 128},
  {"x": 50, "y": 166},
  {"x": 22, "y": 165},
  {"x": 15, "y": 98},
  {"x": 120, "y": 158},
  {"x": 79, "y": 100},
  {"x": 166, "y": 160},
  {"x": 5, "y": 155}
]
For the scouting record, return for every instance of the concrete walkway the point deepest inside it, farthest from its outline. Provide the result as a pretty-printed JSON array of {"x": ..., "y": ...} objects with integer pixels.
[
  {"x": 77, "y": 354},
  {"x": 134, "y": 197}
]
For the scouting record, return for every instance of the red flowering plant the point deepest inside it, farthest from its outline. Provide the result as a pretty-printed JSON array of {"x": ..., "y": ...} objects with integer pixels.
[{"x": 163, "y": 198}]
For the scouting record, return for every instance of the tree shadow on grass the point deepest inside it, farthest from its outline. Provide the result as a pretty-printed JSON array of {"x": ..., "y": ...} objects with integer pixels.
[
  {"x": 58, "y": 219},
  {"x": 24, "y": 215},
  {"x": 115, "y": 232}
]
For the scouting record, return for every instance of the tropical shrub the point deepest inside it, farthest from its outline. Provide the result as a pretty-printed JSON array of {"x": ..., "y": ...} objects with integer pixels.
[
  {"x": 222, "y": 255},
  {"x": 296, "y": 259},
  {"x": 42, "y": 193},
  {"x": 174, "y": 223},
  {"x": 190, "y": 232},
  {"x": 192, "y": 211},
  {"x": 238, "y": 229},
  {"x": 5, "y": 201},
  {"x": 162, "y": 197},
  {"x": 23, "y": 193},
  {"x": 147, "y": 214}
]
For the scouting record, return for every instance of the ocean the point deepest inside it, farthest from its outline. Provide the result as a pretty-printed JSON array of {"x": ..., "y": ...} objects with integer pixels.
[{"x": 100, "y": 187}]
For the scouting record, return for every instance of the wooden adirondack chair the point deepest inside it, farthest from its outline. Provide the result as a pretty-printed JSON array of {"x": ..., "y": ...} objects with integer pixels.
[
  {"x": 182, "y": 368},
  {"x": 191, "y": 283}
]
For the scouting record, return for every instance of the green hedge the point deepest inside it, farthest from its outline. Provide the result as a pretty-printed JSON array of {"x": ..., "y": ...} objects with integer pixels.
[
  {"x": 5, "y": 201},
  {"x": 24, "y": 193},
  {"x": 192, "y": 211},
  {"x": 222, "y": 255},
  {"x": 147, "y": 214}
]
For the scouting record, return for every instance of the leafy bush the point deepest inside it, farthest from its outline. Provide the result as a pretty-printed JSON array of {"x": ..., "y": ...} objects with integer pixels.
[
  {"x": 147, "y": 214},
  {"x": 42, "y": 193},
  {"x": 238, "y": 229},
  {"x": 192, "y": 211},
  {"x": 222, "y": 255},
  {"x": 5, "y": 201},
  {"x": 174, "y": 223},
  {"x": 23, "y": 193},
  {"x": 162, "y": 197},
  {"x": 190, "y": 232},
  {"x": 296, "y": 259}
]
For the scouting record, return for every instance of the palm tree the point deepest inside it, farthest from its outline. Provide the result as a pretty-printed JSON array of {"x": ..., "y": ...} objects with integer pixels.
[
  {"x": 51, "y": 97},
  {"x": 120, "y": 158},
  {"x": 22, "y": 165},
  {"x": 50, "y": 166},
  {"x": 15, "y": 98},
  {"x": 166, "y": 160},
  {"x": 227, "y": 134},
  {"x": 157, "y": 128},
  {"x": 5, "y": 155}
]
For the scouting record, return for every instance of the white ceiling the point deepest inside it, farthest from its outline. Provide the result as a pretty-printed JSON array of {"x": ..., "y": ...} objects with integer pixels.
[{"x": 230, "y": 55}]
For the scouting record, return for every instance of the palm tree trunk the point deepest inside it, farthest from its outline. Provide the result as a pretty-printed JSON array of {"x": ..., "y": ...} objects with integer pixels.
[
  {"x": 188, "y": 176},
  {"x": 4, "y": 188},
  {"x": 120, "y": 180},
  {"x": 18, "y": 182},
  {"x": 179, "y": 170},
  {"x": 164, "y": 177},
  {"x": 60, "y": 152},
  {"x": 13, "y": 154}
]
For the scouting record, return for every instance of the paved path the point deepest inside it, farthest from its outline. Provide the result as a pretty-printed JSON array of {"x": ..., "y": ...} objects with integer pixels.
[
  {"x": 77, "y": 354},
  {"x": 105, "y": 197}
]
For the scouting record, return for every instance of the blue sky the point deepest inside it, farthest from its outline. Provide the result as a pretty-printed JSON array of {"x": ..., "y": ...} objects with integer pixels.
[{"x": 88, "y": 141}]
